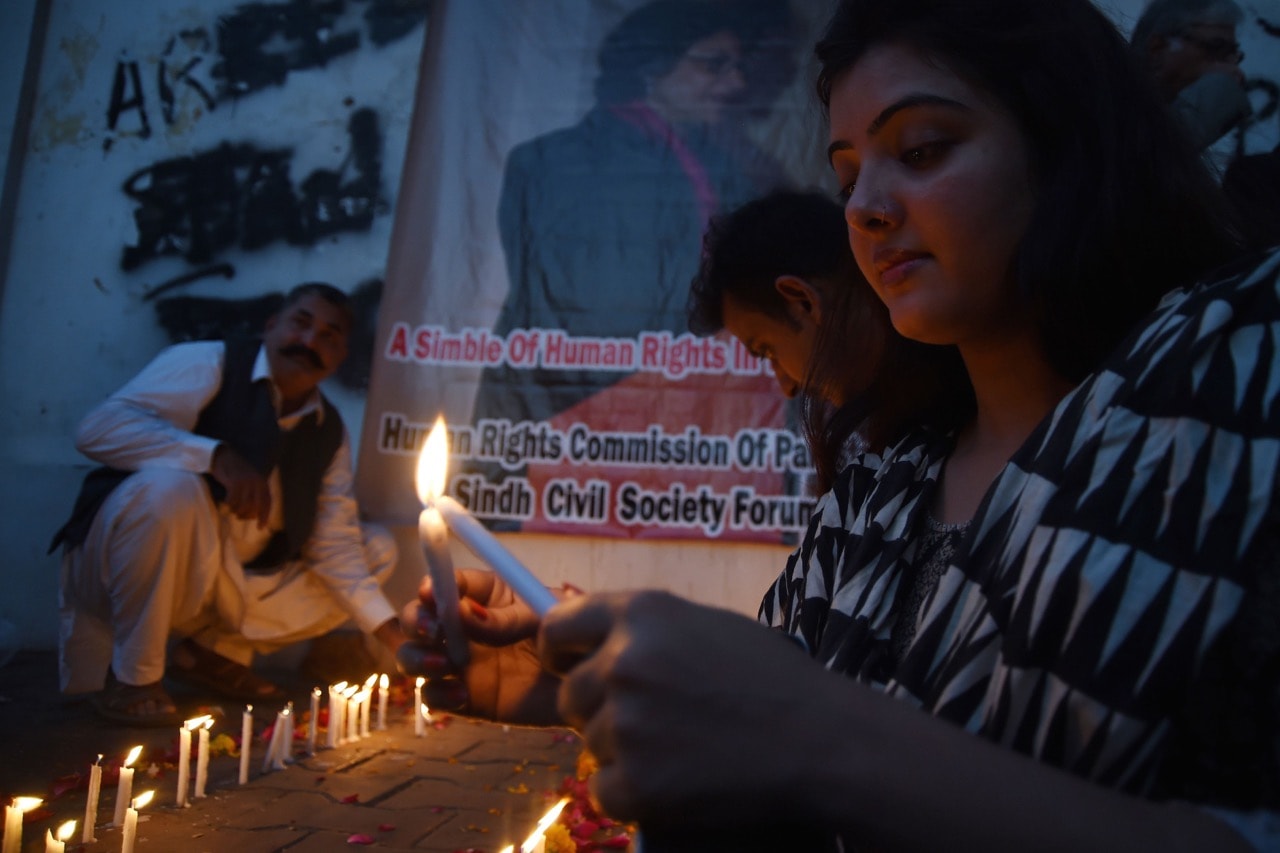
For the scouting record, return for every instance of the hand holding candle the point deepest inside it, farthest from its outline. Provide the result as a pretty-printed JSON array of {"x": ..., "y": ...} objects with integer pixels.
[
  {"x": 432, "y": 476},
  {"x": 432, "y": 473}
]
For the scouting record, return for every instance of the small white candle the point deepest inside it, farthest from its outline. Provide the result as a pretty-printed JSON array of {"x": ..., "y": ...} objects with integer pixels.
[
  {"x": 202, "y": 759},
  {"x": 384, "y": 687},
  {"x": 184, "y": 758},
  {"x": 367, "y": 707},
  {"x": 58, "y": 843},
  {"x": 315, "y": 721},
  {"x": 335, "y": 713},
  {"x": 268, "y": 760},
  {"x": 286, "y": 740},
  {"x": 131, "y": 822},
  {"x": 13, "y": 822},
  {"x": 536, "y": 842},
  {"x": 91, "y": 803},
  {"x": 124, "y": 788},
  {"x": 418, "y": 729},
  {"x": 350, "y": 712},
  {"x": 246, "y": 739}
]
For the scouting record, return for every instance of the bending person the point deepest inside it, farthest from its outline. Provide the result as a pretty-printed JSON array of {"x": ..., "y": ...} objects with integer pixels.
[{"x": 224, "y": 518}]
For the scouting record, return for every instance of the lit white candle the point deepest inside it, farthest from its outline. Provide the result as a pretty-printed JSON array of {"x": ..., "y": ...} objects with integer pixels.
[
  {"x": 286, "y": 740},
  {"x": 124, "y": 788},
  {"x": 384, "y": 687},
  {"x": 184, "y": 759},
  {"x": 268, "y": 760},
  {"x": 418, "y": 728},
  {"x": 368, "y": 705},
  {"x": 202, "y": 759},
  {"x": 246, "y": 741},
  {"x": 58, "y": 843},
  {"x": 131, "y": 821},
  {"x": 536, "y": 842},
  {"x": 91, "y": 803},
  {"x": 350, "y": 713},
  {"x": 433, "y": 465},
  {"x": 315, "y": 721},
  {"x": 13, "y": 822},
  {"x": 335, "y": 713},
  {"x": 432, "y": 470},
  {"x": 280, "y": 738}
]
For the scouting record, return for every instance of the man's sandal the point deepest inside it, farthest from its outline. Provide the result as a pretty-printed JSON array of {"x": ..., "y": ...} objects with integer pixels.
[
  {"x": 191, "y": 663},
  {"x": 143, "y": 705}
]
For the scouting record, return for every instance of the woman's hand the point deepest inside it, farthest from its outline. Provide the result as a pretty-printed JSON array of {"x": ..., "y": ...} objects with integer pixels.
[
  {"x": 504, "y": 679},
  {"x": 683, "y": 706}
]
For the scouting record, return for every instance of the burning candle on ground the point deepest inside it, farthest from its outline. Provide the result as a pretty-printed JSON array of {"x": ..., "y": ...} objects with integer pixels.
[
  {"x": 202, "y": 759},
  {"x": 91, "y": 802},
  {"x": 437, "y": 506},
  {"x": 246, "y": 741},
  {"x": 315, "y": 721},
  {"x": 13, "y": 822},
  {"x": 418, "y": 728},
  {"x": 184, "y": 759},
  {"x": 537, "y": 842},
  {"x": 384, "y": 687},
  {"x": 367, "y": 704},
  {"x": 58, "y": 843},
  {"x": 286, "y": 739},
  {"x": 277, "y": 729},
  {"x": 131, "y": 821},
  {"x": 124, "y": 788},
  {"x": 350, "y": 712},
  {"x": 335, "y": 713}
]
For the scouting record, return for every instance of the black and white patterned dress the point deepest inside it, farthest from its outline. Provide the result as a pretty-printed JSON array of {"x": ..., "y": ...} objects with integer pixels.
[{"x": 1114, "y": 607}]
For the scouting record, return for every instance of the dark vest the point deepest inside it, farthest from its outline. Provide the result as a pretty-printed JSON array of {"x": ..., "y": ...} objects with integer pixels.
[{"x": 241, "y": 415}]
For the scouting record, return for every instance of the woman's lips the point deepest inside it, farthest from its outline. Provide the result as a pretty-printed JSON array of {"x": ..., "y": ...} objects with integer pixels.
[{"x": 894, "y": 265}]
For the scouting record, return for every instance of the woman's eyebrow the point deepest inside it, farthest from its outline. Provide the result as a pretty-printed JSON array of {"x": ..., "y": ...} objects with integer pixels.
[{"x": 922, "y": 99}]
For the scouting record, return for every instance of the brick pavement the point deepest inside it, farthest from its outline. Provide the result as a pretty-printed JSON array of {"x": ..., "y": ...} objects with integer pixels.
[{"x": 466, "y": 785}]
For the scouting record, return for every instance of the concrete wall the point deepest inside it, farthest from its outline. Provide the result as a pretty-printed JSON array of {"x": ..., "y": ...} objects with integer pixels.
[{"x": 80, "y": 302}]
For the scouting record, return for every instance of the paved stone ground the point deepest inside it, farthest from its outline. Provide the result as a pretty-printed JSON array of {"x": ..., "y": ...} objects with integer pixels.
[{"x": 466, "y": 785}]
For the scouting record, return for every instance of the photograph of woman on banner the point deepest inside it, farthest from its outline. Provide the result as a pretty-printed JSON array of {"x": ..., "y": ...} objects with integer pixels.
[{"x": 601, "y": 222}]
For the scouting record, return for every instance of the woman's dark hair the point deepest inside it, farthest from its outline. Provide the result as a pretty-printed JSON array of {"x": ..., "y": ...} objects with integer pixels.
[
  {"x": 803, "y": 233},
  {"x": 1125, "y": 208}
]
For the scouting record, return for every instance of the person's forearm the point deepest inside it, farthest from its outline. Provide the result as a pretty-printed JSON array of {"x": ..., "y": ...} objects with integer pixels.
[{"x": 908, "y": 781}]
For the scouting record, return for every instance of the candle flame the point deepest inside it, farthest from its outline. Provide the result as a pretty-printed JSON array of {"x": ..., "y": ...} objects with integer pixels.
[
  {"x": 99, "y": 761},
  {"x": 339, "y": 687},
  {"x": 315, "y": 691},
  {"x": 547, "y": 819},
  {"x": 208, "y": 724},
  {"x": 26, "y": 804},
  {"x": 142, "y": 799},
  {"x": 65, "y": 831},
  {"x": 132, "y": 756},
  {"x": 384, "y": 682},
  {"x": 433, "y": 463},
  {"x": 196, "y": 722},
  {"x": 421, "y": 681},
  {"x": 248, "y": 709},
  {"x": 368, "y": 682},
  {"x": 350, "y": 691},
  {"x": 510, "y": 848}
]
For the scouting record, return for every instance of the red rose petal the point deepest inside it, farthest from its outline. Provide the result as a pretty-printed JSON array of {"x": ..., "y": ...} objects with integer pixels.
[
  {"x": 386, "y": 827},
  {"x": 354, "y": 798},
  {"x": 360, "y": 839}
]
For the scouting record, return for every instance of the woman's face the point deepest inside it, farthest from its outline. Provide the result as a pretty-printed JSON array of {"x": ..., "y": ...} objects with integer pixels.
[
  {"x": 703, "y": 83},
  {"x": 939, "y": 193}
]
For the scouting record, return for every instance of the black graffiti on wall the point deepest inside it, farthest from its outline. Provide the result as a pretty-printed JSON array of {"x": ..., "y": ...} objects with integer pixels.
[
  {"x": 242, "y": 195},
  {"x": 256, "y": 46}
]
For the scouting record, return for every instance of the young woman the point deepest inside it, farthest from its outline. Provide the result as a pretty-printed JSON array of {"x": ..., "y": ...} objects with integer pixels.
[{"x": 1040, "y": 621}]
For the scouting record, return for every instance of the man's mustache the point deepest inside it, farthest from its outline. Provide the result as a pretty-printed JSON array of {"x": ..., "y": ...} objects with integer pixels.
[{"x": 303, "y": 350}]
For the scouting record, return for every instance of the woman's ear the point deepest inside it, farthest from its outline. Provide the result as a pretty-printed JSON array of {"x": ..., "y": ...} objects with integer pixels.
[{"x": 802, "y": 298}]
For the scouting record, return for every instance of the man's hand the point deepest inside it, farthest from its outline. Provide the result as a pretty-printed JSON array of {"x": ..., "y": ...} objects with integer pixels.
[{"x": 248, "y": 495}]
